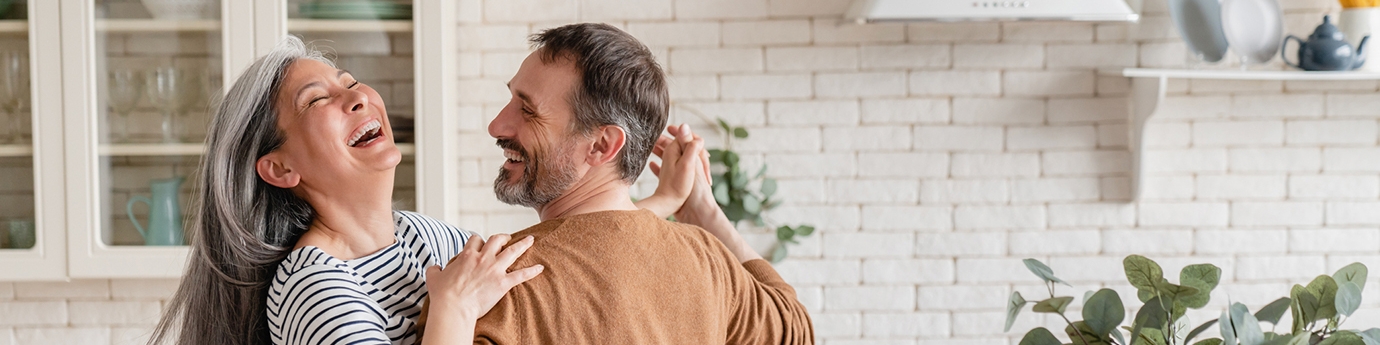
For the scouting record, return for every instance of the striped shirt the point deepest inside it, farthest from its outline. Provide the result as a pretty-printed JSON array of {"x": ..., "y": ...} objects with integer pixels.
[{"x": 318, "y": 299}]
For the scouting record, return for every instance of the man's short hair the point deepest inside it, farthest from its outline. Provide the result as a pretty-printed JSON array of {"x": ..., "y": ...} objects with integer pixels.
[{"x": 621, "y": 84}]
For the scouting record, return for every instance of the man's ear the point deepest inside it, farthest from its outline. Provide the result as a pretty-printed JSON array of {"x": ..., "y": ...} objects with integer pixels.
[
  {"x": 608, "y": 142},
  {"x": 273, "y": 170}
]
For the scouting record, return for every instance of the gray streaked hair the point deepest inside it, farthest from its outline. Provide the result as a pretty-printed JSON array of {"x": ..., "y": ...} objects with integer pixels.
[{"x": 244, "y": 226}]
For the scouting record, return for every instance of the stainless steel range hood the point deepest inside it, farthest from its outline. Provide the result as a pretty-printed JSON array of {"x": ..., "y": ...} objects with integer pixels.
[{"x": 871, "y": 11}]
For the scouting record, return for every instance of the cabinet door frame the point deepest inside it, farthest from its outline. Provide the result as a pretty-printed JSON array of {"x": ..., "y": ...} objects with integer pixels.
[{"x": 47, "y": 260}]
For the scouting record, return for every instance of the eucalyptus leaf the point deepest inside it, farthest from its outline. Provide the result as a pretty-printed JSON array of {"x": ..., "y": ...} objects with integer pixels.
[
  {"x": 1355, "y": 272},
  {"x": 1343, "y": 338},
  {"x": 1039, "y": 336},
  {"x": 1013, "y": 308},
  {"x": 1278, "y": 339},
  {"x": 731, "y": 160},
  {"x": 1042, "y": 271},
  {"x": 1145, "y": 295},
  {"x": 1227, "y": 327},
  {"x": 768, "y": 188},
  {"x": 1304, "y": 307},
  {"x": 761, "y": 171},
  {"x": 751, "y": 204},
  {"x": 1142, "y": 272},
  {"x": 724, "y": 124},
  {"x": 1151, "y": 315},
  {"x": 1304, "y": 338},
  {"x": 1200, "y": 329},
  {"x": 1103, "y": 312},
  {"x": 1348, "y": 298},
  {"x": 734, "y": 212},
  {"x": 721, "y": 193},
  {"x": 740, "y": 133},
  {"x": 1325, "y": 289},
  {"x": 1370, "y": 336},
  {"x": 1121, "y": 339},
  {"x": 1274, "y": 311},
  {"x": 1175, "y": 292},
  {"x": 716, "y": 156},
  {"x": 1203, "y": 277},
  {"x": 778, "y": 253},
  {"x": 1213, "y": 341},
  {"x": 739, "y": 180},
  {"x": 784, "y": 233},
  {"x": 804, "y": 230},
  {"x": 1055, "y": 305},
  {"x": 1248, "y": 331},
  {"x": 1150, "y": 336}
]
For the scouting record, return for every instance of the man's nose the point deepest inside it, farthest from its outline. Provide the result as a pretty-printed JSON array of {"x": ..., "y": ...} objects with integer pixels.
[{"x": 503, "y": 125}]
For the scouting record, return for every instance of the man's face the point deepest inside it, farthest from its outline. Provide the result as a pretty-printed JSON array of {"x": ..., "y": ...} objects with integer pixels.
[{"x": 534, "y": 130}]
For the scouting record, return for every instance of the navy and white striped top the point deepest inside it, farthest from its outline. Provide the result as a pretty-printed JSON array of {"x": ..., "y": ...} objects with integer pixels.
[{"x": 376, "y": 299}]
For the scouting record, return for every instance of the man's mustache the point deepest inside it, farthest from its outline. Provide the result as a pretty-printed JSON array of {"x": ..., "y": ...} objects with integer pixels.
[{"x": 510, "y": 144}]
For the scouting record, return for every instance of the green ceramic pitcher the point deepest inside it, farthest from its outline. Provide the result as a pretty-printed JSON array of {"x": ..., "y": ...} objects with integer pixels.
[{"x": 165, "y": 214}]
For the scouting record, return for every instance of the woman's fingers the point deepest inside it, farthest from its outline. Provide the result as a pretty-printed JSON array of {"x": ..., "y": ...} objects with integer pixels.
[
  {"x": 661, "y": 143},
  {"x": 519, "y": 276},
  {"x": 510, "y": 254},
  {"x": 495, "y": 244}
]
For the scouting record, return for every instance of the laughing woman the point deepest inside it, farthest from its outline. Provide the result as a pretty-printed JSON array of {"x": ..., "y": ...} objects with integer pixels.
[{"x": 295, "y": 241}]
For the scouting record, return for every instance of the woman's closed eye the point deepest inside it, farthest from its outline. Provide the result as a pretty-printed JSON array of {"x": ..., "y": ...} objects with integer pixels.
[{"x": 313, "y": 102}]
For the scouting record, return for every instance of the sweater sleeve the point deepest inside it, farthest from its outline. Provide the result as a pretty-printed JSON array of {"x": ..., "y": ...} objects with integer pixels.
[{"x": 767, "y": 311}]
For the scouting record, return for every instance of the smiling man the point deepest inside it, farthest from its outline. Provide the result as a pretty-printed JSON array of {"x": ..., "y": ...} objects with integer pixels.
[{"x": 587, "y": 109}]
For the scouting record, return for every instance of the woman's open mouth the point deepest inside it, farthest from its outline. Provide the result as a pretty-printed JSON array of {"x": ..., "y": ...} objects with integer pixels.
[{"x": 371, "y": 132}]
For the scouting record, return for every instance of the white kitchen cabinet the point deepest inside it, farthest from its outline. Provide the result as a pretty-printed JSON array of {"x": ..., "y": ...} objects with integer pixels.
[{"x": 97, "y": 146}]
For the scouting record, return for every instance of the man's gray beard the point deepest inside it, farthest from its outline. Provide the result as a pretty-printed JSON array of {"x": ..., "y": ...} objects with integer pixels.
[{"x": 529, "y": 191}]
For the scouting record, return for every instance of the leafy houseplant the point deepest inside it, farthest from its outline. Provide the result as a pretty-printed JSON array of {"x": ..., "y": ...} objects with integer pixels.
[
  {"x": 734, "y": 193},
  {"x": 1318, "y": 310}
]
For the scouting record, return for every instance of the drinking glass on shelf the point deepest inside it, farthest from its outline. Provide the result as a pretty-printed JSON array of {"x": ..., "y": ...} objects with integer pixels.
[
  {"x": 172, "y": 90},
  {"x": 125, "y": 89},
  {"x": 14, "y": 95}
]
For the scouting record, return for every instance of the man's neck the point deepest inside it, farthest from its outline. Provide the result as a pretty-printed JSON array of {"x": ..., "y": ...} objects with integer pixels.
[{"x": 588, "y": 196}]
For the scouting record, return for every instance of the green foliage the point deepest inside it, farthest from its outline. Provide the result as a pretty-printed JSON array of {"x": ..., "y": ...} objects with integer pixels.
[
  {"x": 1318, "y": 308},
  {"x": 734, "y": 191},
  {"x": 1013, "y": 308}
]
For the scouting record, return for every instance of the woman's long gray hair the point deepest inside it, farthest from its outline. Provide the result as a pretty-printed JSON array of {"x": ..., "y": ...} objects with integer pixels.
[{"x": 244, "y": 226}]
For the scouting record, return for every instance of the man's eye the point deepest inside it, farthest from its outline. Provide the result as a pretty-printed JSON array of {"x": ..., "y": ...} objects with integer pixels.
[
  {"x": 352, "y": 85},
  {"x": 526, "y": 111}
]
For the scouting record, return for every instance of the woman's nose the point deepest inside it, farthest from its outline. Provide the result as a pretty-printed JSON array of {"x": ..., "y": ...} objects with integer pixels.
[{"x": 355, "y": 100}]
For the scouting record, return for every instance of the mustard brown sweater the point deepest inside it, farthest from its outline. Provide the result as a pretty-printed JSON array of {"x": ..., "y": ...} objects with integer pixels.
[{"x": 628, "y": 277}]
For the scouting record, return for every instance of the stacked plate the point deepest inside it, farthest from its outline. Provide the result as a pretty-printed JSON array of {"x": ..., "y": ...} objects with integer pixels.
[
  {"x": 1253, "y": 29},
  {"x": 356, "y": 9}
]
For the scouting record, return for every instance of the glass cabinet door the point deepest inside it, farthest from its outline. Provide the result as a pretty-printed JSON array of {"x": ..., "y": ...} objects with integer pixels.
[
  {"x": 17, "y": 192},
  {"x": 154, "y": 66},
  {"x": 32, "y": 230},
  {"x": 372, "y": 40}
]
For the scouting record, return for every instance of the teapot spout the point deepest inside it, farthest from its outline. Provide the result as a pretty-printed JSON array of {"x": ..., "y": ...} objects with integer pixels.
[{"x": 1360, "y": 53}]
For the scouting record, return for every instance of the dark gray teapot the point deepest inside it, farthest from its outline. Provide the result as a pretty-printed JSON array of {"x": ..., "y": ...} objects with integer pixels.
[{"x": 1326, "y": 50}]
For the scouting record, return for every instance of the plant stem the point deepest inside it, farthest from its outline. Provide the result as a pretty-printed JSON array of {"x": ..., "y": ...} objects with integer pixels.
[{"x": 1075, "y": 329}]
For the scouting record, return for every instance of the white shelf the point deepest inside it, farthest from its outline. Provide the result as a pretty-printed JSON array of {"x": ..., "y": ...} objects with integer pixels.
[
  {"x": 154, "y": 25},
  {"x": 14, "y": 25},
  {"x": 349, "y": 25},
  {"x": 180, "y": 149},
  {"x": 16, "y": 150},
  {"x": 1147, "y": 92},
  {"x": 1247, "y": 75}
]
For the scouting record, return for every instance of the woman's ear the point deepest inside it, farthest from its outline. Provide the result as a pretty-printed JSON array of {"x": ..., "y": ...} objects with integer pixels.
[
  {"x": 272, "y": 170},
  {"x": 608, "y": 141}
]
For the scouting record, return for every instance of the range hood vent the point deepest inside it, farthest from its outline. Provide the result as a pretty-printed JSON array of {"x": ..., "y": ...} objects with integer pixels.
[{"x": 873, "y": 11}]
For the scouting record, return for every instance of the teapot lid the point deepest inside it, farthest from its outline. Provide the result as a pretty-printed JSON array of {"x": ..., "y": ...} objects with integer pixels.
[{"x": 1327, "y": 31}]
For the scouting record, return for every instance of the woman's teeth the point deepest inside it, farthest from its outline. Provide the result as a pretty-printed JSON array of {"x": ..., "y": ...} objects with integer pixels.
[{"x": 369, "y": 132}]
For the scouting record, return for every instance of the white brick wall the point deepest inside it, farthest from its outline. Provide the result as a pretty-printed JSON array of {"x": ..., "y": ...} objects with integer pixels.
[{"x": 933, "y": 157}]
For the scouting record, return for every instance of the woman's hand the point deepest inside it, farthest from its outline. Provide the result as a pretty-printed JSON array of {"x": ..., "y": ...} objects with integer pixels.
[
  {"x": 682, "y": 156},
  {"x": 472, "y": 283}
]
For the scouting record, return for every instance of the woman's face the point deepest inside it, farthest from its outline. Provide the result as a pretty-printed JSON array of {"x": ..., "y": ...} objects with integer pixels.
[{"x": 336, "y": 128}]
